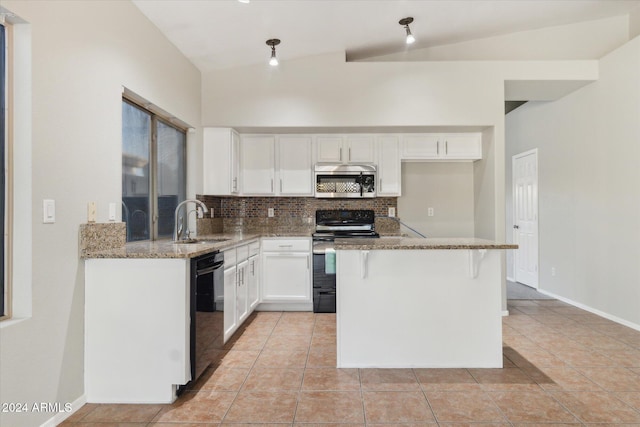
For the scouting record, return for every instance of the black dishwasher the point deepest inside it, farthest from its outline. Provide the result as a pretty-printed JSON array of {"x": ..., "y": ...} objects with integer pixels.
[{"x": 206, "y": 310}]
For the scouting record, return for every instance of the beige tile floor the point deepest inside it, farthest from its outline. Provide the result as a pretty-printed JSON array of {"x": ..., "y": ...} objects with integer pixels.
[{"x": 562, "y": 365}]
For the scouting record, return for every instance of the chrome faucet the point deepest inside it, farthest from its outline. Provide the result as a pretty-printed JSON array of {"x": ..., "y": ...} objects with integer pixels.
[{"x": 177, "y": 230}]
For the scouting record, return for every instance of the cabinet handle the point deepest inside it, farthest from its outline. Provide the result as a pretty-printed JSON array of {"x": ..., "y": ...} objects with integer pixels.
[
  {"x": 285, "y": 246},
  {"x": 253, "y": 267},
  {"x": 349, "y": 153},
  {"x": 364, "y": 266},
  {"x": 235, "y": 184},
  {"x": 380, "y": 185},
  {"x": 340, "y": 153},
  {"x": 281, "y": 185},
  {"x": 272, "y": 185},
  {"x": 307, "y": 262},
  {"x": 438, "y": 148},
  {"x": 446, "y": 147}
]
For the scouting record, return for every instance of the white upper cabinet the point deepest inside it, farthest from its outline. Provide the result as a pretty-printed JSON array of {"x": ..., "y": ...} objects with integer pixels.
[
  {"x": 389, "y": 173},
  {"x": 329, "y": 148},
  {"x": 257, "y": 162},
  {"x": 345, "y": 149},
  {"x": 361, "y": 149},
  {"x": 221, "y": 161},
  {"x": 445, "y": 146},
  {"x": 295, "y": 165}
]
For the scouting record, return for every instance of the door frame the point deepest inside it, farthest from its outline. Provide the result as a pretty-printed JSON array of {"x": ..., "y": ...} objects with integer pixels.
[{"x": 515, "y": 157}]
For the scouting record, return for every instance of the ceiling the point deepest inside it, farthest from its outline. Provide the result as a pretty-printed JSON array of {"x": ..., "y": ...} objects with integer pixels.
[{"x": 217, "y": 34}]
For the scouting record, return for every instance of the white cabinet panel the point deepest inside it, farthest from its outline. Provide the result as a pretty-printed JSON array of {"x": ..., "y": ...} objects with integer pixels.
[
  {"x": 389, "y": 173},
  {"x": 258, "y": 164},
  {"x": 295, "y": 165},
  {"x": 360, "y": 149},
  {"x": 442, "y": 146},
  {"x": 287, "y": 277},
  {"x": 253, "y": 286},
  {"x": 230, "y": 284},
  {"x": 423, "y": 146},
  {"x": 329, "y": 148},
  {"x": 462, "y": 146},
  {"x": 220, "y": 161},
  {"x": 242, "y": 294}
]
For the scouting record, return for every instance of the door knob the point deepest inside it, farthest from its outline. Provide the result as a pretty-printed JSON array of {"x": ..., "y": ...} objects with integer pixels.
[{"x": 516, "y": 227}]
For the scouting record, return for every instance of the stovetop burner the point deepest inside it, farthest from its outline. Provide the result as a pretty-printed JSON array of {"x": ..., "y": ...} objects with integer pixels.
[{"x": 345, "y": 223}]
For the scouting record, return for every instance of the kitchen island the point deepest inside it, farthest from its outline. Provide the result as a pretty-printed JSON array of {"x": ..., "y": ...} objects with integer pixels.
[{"x": 411, "y": 302}]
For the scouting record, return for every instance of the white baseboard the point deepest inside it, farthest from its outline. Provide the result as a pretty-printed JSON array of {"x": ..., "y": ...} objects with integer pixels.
[
  {"x": 511, "y": 279},
  {"x": 592, "y": 310},
  {"x": 275, "y": 306},
  {"x": 505, "y": 313},
  {"x": 61, "y": 416}
]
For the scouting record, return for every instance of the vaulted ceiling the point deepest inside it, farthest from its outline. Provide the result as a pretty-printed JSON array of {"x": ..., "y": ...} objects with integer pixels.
[{"x": 217, "y": 34}]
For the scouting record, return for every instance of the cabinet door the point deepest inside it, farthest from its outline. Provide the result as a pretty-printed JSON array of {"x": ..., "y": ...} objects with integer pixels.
[
  {"x": 360, "y": 149},
  {"x": 242, "y": 295},
  {"x": 328, "y": 149},
  {"x": 420, "y": 147},
  {"x": 294, "y": 165},
  {"x": 462, "y": 146},
  {"x": 286, "y": 277},
  {"x": 253, "y": 286},
  {"x": 230, "y": 319},
  {"x": 220, "y": 161},
  {"x": 258, "y": 164},
  {"x": 389, "y": 175}
]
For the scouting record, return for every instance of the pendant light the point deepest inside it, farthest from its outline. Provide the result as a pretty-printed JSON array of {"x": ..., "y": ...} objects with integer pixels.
[
  {"x": 273, "y": 43},
  {"x": 405, "y": 22}
]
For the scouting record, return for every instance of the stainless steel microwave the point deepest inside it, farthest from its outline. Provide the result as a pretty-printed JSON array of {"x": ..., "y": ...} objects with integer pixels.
[{"x": 345, "y": 181}]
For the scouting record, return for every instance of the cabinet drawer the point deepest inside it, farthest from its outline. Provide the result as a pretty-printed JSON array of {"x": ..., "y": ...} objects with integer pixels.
[
  {"x": 286, "y": 245},
  {"x": 254, "y": 248},
  {"x": 243, "y": 253},
  {"x": 230, "y": 258}
]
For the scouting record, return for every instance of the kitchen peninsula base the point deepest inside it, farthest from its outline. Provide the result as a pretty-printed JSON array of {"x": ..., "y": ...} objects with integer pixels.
[{"x": 423, "y": 308}]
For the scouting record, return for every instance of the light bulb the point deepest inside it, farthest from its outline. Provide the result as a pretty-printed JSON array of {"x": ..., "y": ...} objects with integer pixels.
[
  {"x": 244, "y": 1},
  {"x": 410, "y": 38},
  {"x": 273, "y": 61}
]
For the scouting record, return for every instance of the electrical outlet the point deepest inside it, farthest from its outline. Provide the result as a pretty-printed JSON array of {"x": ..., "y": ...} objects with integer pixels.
[
  {"x": 211, "y": 210},
  {"x": 392, "y": 212},
  {"x": 270, "y": 213},
  {"x": 553, "y": 272},
  {"x": 430, "y": 212},
  {"x": 92, "y": 211}
]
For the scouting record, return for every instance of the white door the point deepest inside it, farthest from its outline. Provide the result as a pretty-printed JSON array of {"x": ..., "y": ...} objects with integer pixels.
[{"x": 525, "y": 217}]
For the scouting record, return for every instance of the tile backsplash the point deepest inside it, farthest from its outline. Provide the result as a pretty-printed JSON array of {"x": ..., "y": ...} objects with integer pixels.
[{"x": 250, "y": 212}]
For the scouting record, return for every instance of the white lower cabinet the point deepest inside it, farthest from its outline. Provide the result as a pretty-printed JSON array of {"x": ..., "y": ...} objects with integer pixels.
[
  {"x": 239, "y": 300},
  {"x": 286, "y": 266},
  {"x": 253, "y": 289},
  {"x": 230, "y": 315}
]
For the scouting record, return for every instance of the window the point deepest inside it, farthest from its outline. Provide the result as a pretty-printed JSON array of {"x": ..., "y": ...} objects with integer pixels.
[
  {"x": 4, "y": 132},
  {"x": 153, "y": 172}
]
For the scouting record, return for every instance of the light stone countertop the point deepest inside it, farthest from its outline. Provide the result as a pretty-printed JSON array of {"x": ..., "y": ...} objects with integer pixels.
[
  {"x": 168, "y": 249},
  {"x": 410, "y": 243}
]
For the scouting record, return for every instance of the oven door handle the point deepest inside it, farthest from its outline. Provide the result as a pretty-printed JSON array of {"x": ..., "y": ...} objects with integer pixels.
[{"x": 208, "y": 270}]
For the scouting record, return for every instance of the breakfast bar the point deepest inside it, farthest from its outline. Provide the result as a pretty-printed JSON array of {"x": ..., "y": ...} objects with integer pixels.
[{"x": 419, "y": 303}]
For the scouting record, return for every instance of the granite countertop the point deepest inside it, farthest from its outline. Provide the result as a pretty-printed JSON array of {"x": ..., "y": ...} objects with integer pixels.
[
  {"x": 168, "y": 249},
  {"x": 408, "y": 243}
]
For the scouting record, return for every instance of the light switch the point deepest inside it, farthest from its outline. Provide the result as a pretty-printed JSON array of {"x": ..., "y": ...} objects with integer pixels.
[
  {"x": 392, "y": 212},
  {"x": 48, "y": 211},
  {"x": 270, "y": 212},
  {"x": 429, "y": 211},
  {"x": 92, "y": 212},
  {"x": 112, "y": 211}
]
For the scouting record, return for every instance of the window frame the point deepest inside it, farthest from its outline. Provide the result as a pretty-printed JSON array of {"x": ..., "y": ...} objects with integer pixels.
[
  {"x": 6, "y": 306},
  {"x": 157, "y": 116}
]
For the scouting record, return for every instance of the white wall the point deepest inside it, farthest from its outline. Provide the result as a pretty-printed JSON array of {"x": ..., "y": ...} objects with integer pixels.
[
  {"x": 589, "y": 186},
  {"x": 447, "y": 188},
  {"x": 583, "y": 40},
  {"x": 82, "y": 55}
]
